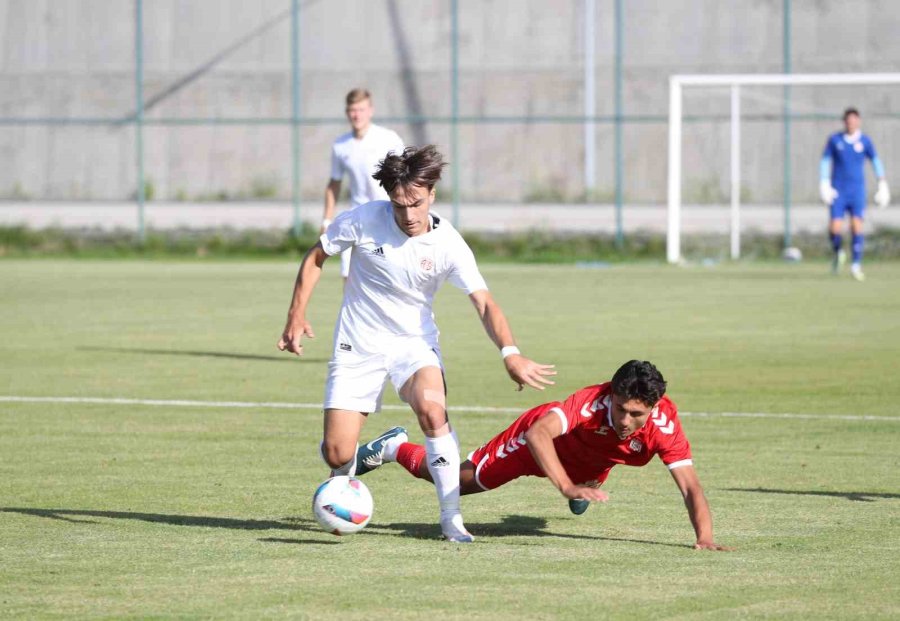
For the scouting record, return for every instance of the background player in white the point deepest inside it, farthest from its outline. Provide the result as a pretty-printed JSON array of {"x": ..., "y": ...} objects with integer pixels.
[
  {"x": 356, "y": 155},
  {"x": 843, "y": 186},
  {"x": 403, "y": 254}
]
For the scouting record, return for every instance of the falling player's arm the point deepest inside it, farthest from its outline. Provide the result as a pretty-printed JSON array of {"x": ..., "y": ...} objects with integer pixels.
[
  {"x": 307, "y": 277},
  {"x": 539, "y": 439},
  {"x": 520, "y": 369},
  {"x": 698, "y": 509}
]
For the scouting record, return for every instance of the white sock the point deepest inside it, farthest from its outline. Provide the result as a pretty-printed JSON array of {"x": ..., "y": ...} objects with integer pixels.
[
  {"x": 443, "y": 464},
  {"x": 348, "y": 469}
]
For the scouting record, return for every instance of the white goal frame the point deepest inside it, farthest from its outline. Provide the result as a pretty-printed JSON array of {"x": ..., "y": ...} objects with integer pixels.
[{"x": 676, "y": 85}]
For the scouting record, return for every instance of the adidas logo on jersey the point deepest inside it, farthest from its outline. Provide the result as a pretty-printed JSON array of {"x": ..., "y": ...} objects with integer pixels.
[
  {"x": 379, "y": 251},
  {"x": 440, "y": 462}
]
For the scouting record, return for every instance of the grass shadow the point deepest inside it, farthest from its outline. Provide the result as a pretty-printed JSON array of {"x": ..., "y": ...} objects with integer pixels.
[
  {"x": 304, "y": 542},
  {"x": 156, "y": 518},
  {"x": 854, "y": 496},
  {"x": 509, "y": 525},
  {"x": 200, "y": 354}
]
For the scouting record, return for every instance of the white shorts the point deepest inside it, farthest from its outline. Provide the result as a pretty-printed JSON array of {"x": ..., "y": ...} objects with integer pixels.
[
  {"x": 355, "y": 382},
  {"x": 345, "y": 261}
]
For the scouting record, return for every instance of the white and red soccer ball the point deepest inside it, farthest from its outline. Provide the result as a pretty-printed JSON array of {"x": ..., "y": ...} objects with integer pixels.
[{"x": 342, "y": 505}]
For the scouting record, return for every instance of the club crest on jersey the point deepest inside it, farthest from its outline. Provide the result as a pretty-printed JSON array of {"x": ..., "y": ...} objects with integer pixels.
[
  {"x": 858, "y": 147},
  {"x": 426, "y": 264},
  {"x": 636, "y": 445}
]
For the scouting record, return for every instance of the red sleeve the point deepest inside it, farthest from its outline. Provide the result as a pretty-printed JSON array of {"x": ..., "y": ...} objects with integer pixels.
[
  {"x": 672, "y": 445},
  {"x": 580, "y": 407}
]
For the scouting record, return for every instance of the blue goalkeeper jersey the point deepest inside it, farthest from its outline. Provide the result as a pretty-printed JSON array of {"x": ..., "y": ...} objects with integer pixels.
[{"x": 847, "y": 157}]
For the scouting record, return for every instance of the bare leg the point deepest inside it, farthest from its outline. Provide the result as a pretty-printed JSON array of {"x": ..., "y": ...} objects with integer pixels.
[
  {"x": 342, "y": 429},
  {"x": 424, "y": 392}
]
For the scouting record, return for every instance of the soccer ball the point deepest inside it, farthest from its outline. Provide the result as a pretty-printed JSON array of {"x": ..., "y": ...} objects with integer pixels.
[
  {"x": 342, "y": 505},
  {"x": 792, "y": 255}
]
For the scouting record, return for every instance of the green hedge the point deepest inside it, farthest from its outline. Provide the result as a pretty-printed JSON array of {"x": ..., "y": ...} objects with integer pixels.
[{"x": 526, "y": 247}]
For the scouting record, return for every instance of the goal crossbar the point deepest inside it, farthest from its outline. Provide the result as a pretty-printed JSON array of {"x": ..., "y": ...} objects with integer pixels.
[{"x": 734, "y": 81}]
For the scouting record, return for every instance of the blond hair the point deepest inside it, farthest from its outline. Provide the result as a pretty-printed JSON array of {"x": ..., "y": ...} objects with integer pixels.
[{"x": 357, "y": 95}]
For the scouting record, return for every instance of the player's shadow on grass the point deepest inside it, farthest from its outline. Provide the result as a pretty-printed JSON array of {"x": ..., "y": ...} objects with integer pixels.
[
  {"x": 73, "y": 515},
  {"x": 855, "y": 496},
  {"x": 508, "y": 526},
  {"x": 201, "y": 354}
]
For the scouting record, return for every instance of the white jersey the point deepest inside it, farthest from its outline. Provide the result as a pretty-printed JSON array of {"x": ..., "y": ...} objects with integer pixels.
[
  {"x": 358, "y": 160},
  {"x": 394, "y": 277}
]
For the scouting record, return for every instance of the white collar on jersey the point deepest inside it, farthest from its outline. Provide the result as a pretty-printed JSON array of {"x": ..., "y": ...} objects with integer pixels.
[{"x": 851, "y": 138}]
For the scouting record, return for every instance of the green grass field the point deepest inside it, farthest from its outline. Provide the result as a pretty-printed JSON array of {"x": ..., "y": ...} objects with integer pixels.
[{"x": 127, "y": 510}]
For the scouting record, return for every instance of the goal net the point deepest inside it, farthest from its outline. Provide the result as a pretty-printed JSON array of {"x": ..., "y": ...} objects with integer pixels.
[{"x": 757, "y": 139}]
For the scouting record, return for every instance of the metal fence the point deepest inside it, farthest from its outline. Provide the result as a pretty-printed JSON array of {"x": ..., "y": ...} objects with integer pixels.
[{"x": 584, "y": 80}]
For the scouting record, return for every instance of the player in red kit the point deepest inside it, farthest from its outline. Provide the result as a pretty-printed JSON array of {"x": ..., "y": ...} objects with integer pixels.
[{"x": 575, "y": 443}]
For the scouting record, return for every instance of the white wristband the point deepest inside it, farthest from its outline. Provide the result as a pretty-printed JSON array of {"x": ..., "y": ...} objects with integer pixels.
[
  {"x": 509, "y": 350},
  {"x": 325, "y": 223}
]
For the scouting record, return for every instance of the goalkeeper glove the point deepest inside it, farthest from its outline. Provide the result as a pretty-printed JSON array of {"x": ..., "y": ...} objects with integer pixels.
[
  {"x": 827, "y": 192},
  {"x": 882, "y": 195}
]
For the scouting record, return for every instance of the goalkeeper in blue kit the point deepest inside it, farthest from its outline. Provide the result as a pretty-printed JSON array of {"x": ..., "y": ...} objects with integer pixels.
[{"x": 843, "y": 187}]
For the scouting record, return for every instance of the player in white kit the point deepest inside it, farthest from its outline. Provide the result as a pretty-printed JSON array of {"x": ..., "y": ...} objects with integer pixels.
[
  {"x": 403, "y": 253},
  {"x": 356, "y": 154}
]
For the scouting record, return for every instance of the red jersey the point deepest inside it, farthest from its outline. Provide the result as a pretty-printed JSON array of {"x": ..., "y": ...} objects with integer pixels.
[{"x": 588, "y": 447}]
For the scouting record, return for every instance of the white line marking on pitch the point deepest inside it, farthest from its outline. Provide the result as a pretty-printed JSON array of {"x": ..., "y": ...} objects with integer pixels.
[{"x": 456, "y": 408}]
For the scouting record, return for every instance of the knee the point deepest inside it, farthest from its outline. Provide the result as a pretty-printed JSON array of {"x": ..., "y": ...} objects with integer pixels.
[
  {"x": 336, "y": 455},
  {"x": 432, "y": 416}
]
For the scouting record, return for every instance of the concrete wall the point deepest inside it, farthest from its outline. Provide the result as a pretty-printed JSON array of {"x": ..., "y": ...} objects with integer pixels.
[{"x": 230, "y": 58}]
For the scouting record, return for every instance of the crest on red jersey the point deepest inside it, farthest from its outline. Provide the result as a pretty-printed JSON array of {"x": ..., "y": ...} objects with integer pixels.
[{"x": 636, "y": 445}]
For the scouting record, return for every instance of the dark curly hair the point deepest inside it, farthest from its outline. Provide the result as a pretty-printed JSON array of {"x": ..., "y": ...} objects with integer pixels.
[
  {"x": 415, "y": 166},
  {"x": 639, "y": 379}
]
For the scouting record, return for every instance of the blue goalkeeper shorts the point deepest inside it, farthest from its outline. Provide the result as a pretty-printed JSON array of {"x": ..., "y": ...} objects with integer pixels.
[{"x": 849, "y": 200}]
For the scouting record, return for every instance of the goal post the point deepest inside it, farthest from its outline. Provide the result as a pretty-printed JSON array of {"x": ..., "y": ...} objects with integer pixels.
[{"x": 677, "y": 84}]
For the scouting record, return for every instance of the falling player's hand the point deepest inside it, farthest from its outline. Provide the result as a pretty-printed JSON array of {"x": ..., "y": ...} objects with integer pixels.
[
  {"x": 585, "y": 492},
  {"x": 712, "y": 545},
  {"x": 294, "y": 331},
  {"x": 524, "y": 371}
]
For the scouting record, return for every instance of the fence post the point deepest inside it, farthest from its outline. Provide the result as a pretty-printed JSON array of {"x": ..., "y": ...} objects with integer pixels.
[
  {"x": 295, "y": 114},
  {"x": 620, "y": 236},
  {"x": 139, "y": 114},
  {"x": 454, "y": 111},
  {"x": 735, "y": 172},
  {"x": 590, "y": 103},
  {"x": 786, "y": 60}
]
